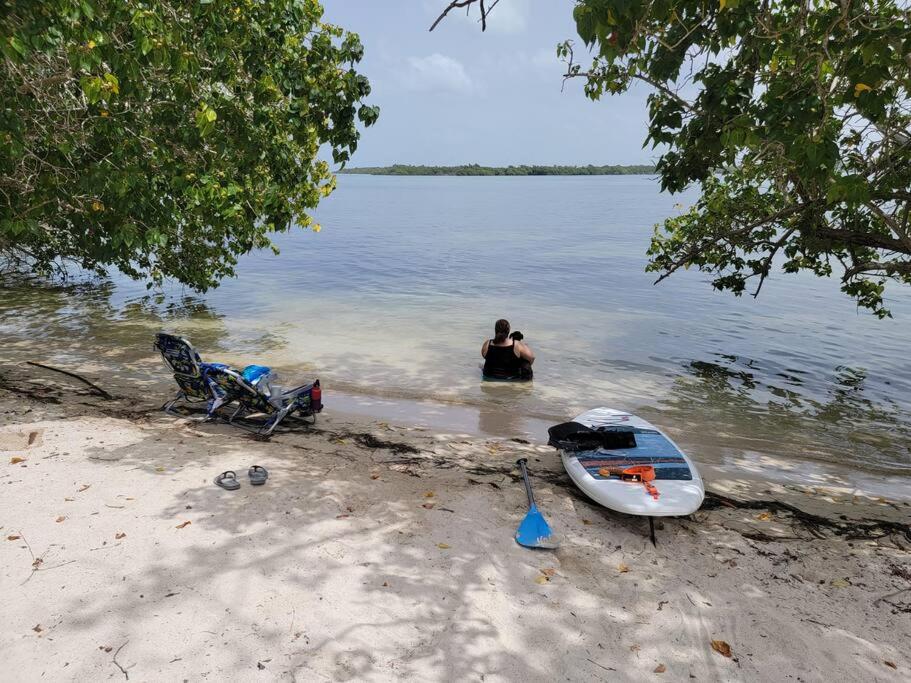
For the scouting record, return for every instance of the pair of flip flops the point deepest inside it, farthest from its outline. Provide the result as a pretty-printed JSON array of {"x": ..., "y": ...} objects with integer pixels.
[{"x": 228, "y": 480}]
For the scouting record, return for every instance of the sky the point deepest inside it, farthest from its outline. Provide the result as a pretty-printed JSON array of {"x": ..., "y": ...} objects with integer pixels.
[{"x": 458, "y": 95}]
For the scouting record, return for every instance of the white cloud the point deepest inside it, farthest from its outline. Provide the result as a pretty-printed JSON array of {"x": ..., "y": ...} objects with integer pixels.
[
  {"x": 437, "y": 72},
  {"x": 508, "y": 16}
]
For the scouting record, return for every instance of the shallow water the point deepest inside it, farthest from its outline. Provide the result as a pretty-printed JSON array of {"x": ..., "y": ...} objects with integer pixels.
[{"x": 395, "y": 296}]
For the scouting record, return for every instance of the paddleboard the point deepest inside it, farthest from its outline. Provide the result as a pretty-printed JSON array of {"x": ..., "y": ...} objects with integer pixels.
[{"x": 680, "y": 488}]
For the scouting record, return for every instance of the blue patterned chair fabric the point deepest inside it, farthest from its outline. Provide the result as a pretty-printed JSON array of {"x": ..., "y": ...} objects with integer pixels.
[{"x": 190, "y": 373}]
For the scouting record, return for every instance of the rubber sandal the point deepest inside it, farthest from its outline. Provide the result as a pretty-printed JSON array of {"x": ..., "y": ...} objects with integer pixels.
[
  {"x": 228, "y": 481},
  {"x": 258, "y": 475}
]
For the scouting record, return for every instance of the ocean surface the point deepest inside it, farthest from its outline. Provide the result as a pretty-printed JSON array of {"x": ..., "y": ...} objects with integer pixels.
[{"x": 392, "y": 300}]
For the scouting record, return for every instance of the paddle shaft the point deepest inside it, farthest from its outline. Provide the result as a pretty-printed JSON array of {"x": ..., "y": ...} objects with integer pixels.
[{"x": 521, "y": 463}]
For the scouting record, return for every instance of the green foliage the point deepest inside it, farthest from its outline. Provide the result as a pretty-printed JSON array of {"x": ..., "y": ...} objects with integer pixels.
[
  {"x": 167, "y": 138},
  {"x": 475, "y": 169},
  {"x": 794, "y": 117}
]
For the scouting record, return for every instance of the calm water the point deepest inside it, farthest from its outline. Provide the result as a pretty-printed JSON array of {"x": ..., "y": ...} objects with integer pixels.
[{"x": 395, "y": 296}]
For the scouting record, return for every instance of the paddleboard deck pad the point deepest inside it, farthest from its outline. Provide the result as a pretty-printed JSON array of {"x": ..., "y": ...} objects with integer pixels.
[{"x": 597, "y": 470}]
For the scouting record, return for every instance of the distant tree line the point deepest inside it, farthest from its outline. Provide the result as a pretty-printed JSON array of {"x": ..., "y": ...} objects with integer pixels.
[{"x": 523, "y": 170}]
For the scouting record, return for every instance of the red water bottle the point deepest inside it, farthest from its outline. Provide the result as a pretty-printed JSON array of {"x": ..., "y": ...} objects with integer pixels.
[{"x": 316, "y": 397}]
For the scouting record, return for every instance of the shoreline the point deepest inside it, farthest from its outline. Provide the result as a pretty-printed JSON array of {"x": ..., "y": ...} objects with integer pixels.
[
  {"x": 377, "y": 551},
  {"x": 817, "y": 487}
]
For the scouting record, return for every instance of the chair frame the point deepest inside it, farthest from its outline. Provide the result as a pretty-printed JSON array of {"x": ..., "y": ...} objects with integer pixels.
[{"x": 253, "y": 401}]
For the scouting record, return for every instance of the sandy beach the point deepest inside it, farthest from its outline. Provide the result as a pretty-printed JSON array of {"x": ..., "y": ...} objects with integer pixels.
[{"x": 379, "y": 551}]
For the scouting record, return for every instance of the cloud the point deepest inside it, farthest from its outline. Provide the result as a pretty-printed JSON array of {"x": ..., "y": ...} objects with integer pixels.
[
  {"x": 508, "y": 16},
  {"x": 437, "y": 72}
]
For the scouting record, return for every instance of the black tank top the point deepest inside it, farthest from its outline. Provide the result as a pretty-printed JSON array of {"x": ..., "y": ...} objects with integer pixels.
[{"x": 501, "y": 361}]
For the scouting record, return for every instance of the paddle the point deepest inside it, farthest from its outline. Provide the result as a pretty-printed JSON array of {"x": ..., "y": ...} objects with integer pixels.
[{"x": 534, "y": 531}]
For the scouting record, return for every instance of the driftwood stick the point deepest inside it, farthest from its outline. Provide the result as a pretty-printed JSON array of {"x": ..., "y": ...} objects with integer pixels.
[
  {"x": 117, "y": 664},
  {"x": 884, "y": 598},
  {"x": 101, "y": 392}
]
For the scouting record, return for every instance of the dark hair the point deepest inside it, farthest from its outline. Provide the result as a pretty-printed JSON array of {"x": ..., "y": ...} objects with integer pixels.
[{"x": 501, "y": 331}]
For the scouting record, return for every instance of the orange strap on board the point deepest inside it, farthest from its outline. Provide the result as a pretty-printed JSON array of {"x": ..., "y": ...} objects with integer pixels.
[{"x": 644, "y": 474}]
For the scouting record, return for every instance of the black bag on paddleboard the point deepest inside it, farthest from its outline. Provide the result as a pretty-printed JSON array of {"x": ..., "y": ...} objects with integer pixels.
[{"x": 575, "y": 436}]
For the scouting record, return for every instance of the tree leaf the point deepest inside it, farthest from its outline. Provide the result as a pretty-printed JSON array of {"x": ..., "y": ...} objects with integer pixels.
[
  {"x": 721, "y": 647},
  {"x": 660, "y": 669},
  {"x": 183, "y": 524}
]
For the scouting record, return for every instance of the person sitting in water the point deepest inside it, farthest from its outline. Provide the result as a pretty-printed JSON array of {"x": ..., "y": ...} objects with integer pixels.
[{"x": 507, "y": 356}]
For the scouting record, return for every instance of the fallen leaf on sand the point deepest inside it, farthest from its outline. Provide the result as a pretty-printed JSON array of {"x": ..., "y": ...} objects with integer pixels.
[
  {"x": 548, "y": 572},
  {"x": 586, "y": 522},
  {"x": 541, "y": 579},
  {"x": 342, "y": 516},
  {"x": 84, "y": 487},
  {"x": 443, "y": 546},
  {"x": 13, "y": 538},
  {"x": 183, "y": 524},
  {"x": 840, "y": 583},
  {"x": 721, "y": 647},
  {"x": 429, "y": 506},
  {"x": 660, "y": 669},
  {"x": 159, "y": 469},
  {"x": 891, "y": 665},
  {"x": 764, "y": 516},
  {"x": 622, "y": 568},
  {"x": 119, "y": 535},
  {"x": 60, "y": 519},
  {"x": 37, "y": 628},
  {"x": 374, "y": 476},
  {"x": 429, "y": 494},
  {"x": 16, "y": 460},
  {"x": 69, "y": 500}
]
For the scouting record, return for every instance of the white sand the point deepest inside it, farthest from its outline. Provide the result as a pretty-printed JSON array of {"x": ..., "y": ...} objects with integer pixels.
[{"x": 357, "y": 563}]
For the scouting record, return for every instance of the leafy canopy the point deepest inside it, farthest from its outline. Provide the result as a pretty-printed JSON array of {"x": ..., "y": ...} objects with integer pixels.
[
  {"x": 167, "y": 138},
  {"x": 794, "y": 117}
]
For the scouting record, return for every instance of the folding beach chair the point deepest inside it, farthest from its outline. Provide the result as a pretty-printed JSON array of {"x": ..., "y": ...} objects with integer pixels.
[
  {"x": 191, "y": 374},
  {"x": 257, "y": 399}
]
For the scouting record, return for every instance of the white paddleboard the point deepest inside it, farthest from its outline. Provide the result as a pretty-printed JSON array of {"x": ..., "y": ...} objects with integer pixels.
[{"x": 680, "y": 489}]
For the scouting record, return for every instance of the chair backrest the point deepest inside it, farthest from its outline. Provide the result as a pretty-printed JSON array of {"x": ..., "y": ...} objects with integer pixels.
[
  {"x": 178, "y": 354},
  {"x": 233, "y": 383}
]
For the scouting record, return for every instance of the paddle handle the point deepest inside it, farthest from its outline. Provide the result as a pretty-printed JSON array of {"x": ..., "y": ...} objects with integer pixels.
[{"x": 521, "y": 463}]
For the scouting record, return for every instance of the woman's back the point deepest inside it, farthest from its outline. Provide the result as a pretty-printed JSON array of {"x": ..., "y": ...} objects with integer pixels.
[{"x": 501, "y": 361}]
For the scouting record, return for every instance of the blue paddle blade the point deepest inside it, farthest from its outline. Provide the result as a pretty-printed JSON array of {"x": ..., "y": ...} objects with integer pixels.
[{"x": 534, "y": 531}]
